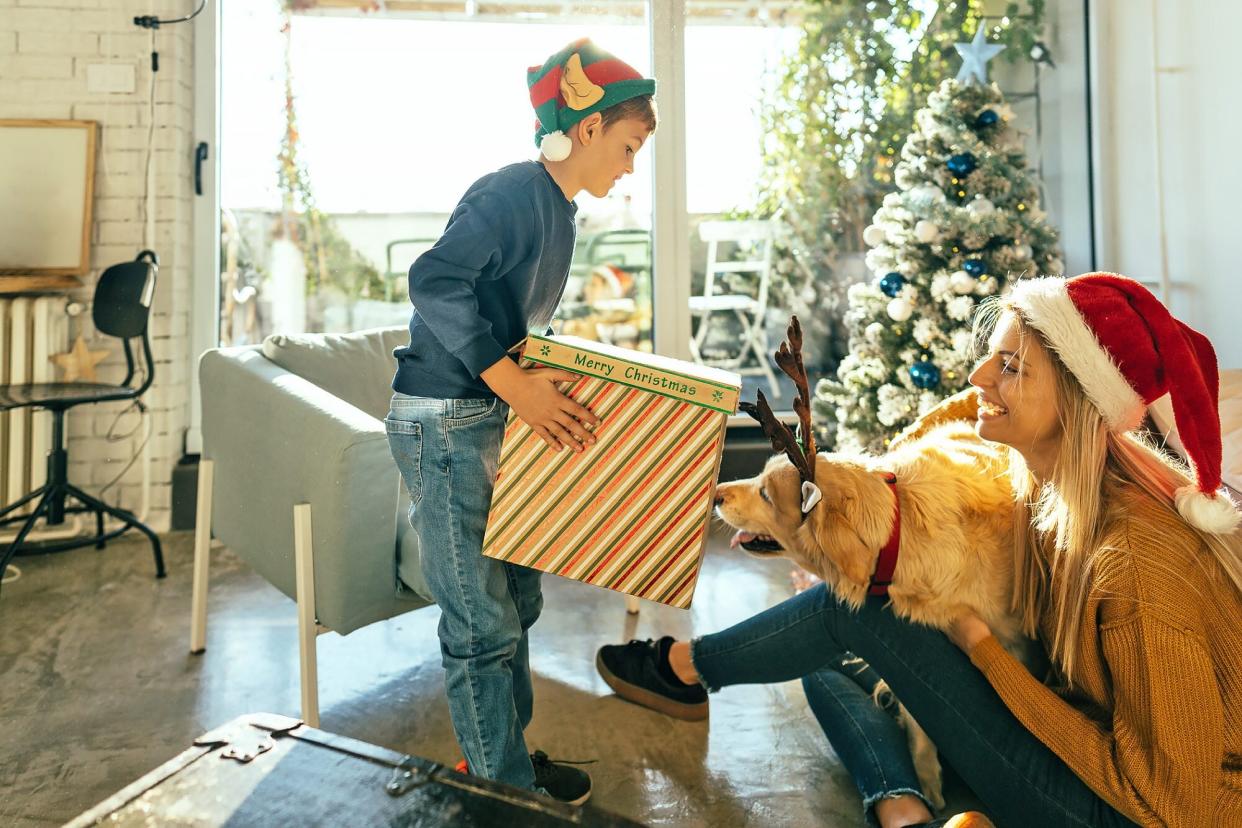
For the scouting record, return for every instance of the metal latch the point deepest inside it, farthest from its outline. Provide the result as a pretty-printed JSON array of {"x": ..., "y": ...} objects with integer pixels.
[
  {"x": 407, "y": 776},
  {"x": 249, "y": 738}
]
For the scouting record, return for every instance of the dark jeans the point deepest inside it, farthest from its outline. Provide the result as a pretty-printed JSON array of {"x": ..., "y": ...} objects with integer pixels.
[{"x": 809, "y": 637}]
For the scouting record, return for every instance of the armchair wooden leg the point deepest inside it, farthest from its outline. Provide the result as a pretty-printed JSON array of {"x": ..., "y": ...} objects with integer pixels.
[
  {"x": 304, "y": 564},
  {"x": 202, "y": 557},
  {"x": 632, "y": 604}
]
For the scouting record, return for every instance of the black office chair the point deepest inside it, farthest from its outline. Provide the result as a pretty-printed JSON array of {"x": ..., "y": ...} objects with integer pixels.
[{"x": 121, "y": 309}]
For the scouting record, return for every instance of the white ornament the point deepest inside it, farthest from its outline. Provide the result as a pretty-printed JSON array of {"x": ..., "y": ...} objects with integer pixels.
[
  {"x": 962, "y": 282},
  {"x": 874, "y": 331},
  {"x": 1023, "y": 251},
  {"x": 873, "y": 235},
  {"x": 926, "y": 231},
  {"x": 899, "y": 310},
  {"x": 980, "y": 206},
  {"x": 556, "y": 146}
]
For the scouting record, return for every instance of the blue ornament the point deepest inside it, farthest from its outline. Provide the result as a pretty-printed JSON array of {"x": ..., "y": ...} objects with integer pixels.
[
  {"x": 975, "y": 267},
  {"x": 961, "y": 164},
  {"x": 987, "y": 118},
  {"x": 924, "y": 375},
  {"x": 892, "y": 283}
]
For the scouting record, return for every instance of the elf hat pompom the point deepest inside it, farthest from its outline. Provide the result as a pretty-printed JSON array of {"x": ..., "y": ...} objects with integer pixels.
[
  {"x": 1130, "y": 354},
  {"x": 577, "y": 81}
]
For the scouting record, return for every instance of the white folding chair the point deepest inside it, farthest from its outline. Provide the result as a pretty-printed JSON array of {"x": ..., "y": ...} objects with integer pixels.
[{"x": 759, "y": 237}]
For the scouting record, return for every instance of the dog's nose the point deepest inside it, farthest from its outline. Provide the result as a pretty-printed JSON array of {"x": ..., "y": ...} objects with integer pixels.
[{"x": 719, "y": 498}]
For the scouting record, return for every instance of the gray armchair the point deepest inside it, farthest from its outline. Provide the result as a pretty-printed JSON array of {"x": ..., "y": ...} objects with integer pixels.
[{"x": 296, "y": 478}]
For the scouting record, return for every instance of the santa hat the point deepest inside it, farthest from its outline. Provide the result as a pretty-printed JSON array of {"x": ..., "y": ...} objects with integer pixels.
[
  {"x": 1130, "y": 355},
  {"x": 577, "y": 81}
]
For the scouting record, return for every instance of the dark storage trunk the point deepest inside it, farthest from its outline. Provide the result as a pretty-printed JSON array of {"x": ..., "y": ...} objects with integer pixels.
[{"x": 269, "y": 770}]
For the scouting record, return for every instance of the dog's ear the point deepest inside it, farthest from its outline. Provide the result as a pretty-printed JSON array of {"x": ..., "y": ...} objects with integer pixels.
[
  {"x": 837, "y": 519},
  {"x": 840, "y": 542}
]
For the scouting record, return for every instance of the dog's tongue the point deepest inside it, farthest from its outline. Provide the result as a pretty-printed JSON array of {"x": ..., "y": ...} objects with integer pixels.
[{"x": 741, "y": 538}]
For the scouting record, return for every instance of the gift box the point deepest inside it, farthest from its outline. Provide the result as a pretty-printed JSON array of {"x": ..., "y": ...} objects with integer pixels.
[{"x": 631, "y": 512}]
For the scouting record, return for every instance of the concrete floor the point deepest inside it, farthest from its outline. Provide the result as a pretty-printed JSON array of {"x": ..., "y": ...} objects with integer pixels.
[{"x": 97, "y": 687}]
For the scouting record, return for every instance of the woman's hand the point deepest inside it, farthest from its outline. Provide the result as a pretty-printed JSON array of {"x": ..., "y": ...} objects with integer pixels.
[{"x": 967, "y": 631}]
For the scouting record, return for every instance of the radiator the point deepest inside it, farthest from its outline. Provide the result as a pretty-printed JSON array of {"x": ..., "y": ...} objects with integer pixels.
[{"x": 31, "y": 330}]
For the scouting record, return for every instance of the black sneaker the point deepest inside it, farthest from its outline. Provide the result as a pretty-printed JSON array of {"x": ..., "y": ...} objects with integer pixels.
[
  {"x": 563, "y": 783},
  {"x": 639, "y": 672}
]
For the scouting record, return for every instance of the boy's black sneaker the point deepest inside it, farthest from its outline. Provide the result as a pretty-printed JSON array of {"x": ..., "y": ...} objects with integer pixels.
[
  {"x": 562, "y": 782},
  {"x": 639, "y": 672}
]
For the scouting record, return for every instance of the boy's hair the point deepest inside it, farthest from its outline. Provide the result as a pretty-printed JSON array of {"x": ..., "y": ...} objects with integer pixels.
[{"x": 641, "y": 108}]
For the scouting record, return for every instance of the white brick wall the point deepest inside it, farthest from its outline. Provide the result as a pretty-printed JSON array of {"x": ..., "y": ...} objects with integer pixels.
[{"x": 45, "y": 49}]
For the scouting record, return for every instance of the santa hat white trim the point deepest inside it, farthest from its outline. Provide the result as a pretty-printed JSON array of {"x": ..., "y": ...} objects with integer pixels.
[{"x": 1047, "y": 305}]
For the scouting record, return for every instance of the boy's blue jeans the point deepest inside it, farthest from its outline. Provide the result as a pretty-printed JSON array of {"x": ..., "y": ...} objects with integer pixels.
[
  {"x": 448, "y": 452},
  {"x": 810, "y": 637}
]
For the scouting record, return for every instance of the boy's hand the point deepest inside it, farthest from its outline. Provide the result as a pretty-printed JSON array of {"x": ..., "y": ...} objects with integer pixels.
[{"x": 534, "y": 397}]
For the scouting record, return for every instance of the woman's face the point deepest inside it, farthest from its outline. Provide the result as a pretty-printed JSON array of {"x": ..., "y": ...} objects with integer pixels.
[{"x": 1017, "y": 394}]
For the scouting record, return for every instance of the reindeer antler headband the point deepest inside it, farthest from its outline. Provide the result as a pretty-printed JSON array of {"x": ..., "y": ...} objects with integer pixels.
[{"x": 800, "y": 448}]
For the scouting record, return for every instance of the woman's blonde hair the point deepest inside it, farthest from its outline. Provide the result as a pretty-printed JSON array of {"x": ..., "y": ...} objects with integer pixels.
[{"x": 1061, "y": 521}]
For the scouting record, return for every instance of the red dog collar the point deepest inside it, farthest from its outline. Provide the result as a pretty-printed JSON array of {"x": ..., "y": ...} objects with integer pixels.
[{"x": 886, "y": 565}]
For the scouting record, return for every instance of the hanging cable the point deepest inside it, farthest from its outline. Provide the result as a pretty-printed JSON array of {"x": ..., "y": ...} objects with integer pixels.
[{"x": 151, "y": 21}]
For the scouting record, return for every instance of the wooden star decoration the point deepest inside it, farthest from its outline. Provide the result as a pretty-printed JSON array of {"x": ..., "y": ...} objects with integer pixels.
[{"x": 79, "y": 362}]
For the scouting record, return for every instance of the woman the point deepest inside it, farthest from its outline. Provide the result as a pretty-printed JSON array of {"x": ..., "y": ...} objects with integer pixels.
[{"x": 1129, "y": 570}]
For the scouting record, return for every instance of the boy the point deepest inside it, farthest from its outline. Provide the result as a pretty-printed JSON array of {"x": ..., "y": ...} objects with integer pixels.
[{"x": 497, "y": 272}]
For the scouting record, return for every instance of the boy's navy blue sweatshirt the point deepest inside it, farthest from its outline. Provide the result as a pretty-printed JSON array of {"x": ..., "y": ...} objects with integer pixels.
[{"x": 497, "y": 273}]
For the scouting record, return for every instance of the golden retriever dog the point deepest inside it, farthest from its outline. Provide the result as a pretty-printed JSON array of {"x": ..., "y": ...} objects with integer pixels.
[{"x": 833, "y": 513}]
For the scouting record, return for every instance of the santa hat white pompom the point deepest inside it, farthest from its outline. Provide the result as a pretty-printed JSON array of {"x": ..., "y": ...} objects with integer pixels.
[
  {"x": 1215, "y": 513},
  {"x": 556, "y": 146}
]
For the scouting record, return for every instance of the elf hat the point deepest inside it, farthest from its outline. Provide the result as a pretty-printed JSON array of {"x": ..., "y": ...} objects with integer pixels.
[
  {"x": 578, "y": 81},
  {"x": 1131, "y": 357}
]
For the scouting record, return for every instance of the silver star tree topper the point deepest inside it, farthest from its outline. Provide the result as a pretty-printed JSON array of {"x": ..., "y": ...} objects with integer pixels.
[{"x": 975, "y": 57}]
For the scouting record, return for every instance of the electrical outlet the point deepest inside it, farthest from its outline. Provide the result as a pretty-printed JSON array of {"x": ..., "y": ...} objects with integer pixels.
[{"x": 110, "y": 77}]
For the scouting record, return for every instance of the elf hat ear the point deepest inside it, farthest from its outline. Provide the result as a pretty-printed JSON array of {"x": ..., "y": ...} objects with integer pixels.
[{"x": 810, "y": 496}]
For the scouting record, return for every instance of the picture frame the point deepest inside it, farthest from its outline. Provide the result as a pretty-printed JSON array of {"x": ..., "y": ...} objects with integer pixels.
[{"x": 47, "y": 184}]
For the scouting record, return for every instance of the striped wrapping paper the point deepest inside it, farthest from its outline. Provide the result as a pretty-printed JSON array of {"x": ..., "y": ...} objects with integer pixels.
[{"x": 631, "y": 512}]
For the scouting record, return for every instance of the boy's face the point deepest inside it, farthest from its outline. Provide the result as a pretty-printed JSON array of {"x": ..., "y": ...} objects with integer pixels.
[{"x": 605, "y": 154}]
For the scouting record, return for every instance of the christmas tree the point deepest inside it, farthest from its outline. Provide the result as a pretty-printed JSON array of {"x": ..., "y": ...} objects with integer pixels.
[
  {"x": 837, "y": 107},
  {"x": 965, "y": 221}
]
